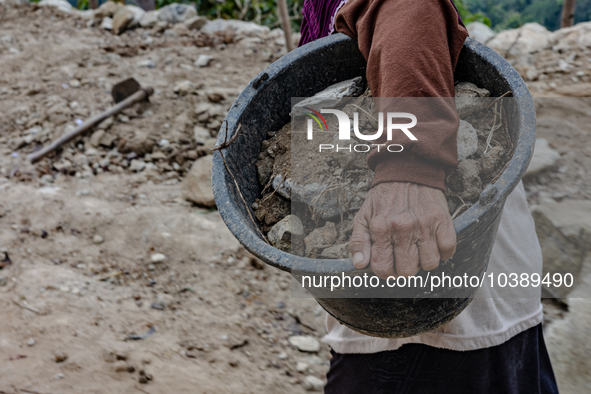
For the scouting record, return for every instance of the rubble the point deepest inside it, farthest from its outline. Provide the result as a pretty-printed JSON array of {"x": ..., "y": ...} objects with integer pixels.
[
  {"x": 305, "y": 343},
  {"x": 526, "y": 40},
  {"x": 176, "y": 13},
  {"x": 61, "y": 5},
  {"x": 238, "y": 27},
  {"x": 122, "y": 19},
  {"x": 333, "y": 95},
  {"x": 467, "y": 140},
  {"x": 480, "y": 32},
  {"x": 544, "y": 157},
  {"x": 196, "y": 186},
  {"x": 288, "y": 235}
]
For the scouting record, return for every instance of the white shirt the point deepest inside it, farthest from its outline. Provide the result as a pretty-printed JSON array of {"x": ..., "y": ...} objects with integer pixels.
[{"x": 495, "y": 315}]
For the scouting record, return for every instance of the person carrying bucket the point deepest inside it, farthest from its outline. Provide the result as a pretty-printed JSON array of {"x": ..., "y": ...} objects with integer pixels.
[{"x": 496, "y": 344}]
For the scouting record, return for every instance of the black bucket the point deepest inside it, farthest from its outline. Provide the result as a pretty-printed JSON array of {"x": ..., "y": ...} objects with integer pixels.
[{"x": 265, "y": 105}]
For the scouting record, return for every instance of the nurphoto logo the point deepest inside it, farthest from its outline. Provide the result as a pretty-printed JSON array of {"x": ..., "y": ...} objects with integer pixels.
[{"x": 344, "y": 133}]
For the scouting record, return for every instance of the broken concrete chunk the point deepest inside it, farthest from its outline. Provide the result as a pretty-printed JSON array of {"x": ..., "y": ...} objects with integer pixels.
[
  {"x": 467, "y": 140},
  {"x": 336, "y": 252},
  {"x": 489, "y": 163},
  {"x": 333, "y": 95},
  {"x": 241, "y": 28},
  {"x": 149, "y": 19},
  {"x": 320, "y": 237},
  {"x": 107, "y": 23},
  {"x": 264, "y": 170},
  {"x": 176, "y": 13},
  {"x": 465, "y": 180},
  {"x": 305, "y": 343},
  {"x": 203, "y": 60},
  {"x": 288, "y": 235},
  {"x": 469, "y": 98},
  {"x": 196, "y": 22},
  {"x": 196, "y": 186},
  {"x": 121, "y": 19},
  {"x": 480, "y": 32}
]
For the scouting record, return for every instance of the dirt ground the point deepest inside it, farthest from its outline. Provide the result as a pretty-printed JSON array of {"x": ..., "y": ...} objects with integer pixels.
[
  {"x": 88, "y": 302},
  {"x": 223, "y": 319}
]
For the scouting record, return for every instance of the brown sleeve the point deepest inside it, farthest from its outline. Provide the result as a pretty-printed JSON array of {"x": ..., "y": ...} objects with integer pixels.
[{"x": 411, "y": 48}]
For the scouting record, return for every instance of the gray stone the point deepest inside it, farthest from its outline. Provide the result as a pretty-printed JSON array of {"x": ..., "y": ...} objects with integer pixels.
[
  {"x": 196, "y": 186},
  {"x": 107, "y": 23},
  {"x": 543, "y": 157},
  {"x": 149, "y": 19},
  {"x": 180, "y": 29},
  {"x": 467, "y": 140},
  {"x": 138, "y": 14},
  {"x": 469, "y": 98},
  {"x": 184, "y": 87},
  {"x": 283, "y": 187},
  {"x": 301, "y": 366},
  {"x": 97, "y": 239},
  {"x": 480, "y": 32},
  {"x": 312, "y": 383},
  {"x": 203, "y": 60},
  {"x": 122, "y": 19},
  {"x": 96, "y": 137},
  {"x": 3, "y": 281},
  {"x": 107, "y": 9},
  {"x": 196, "y": 22},
  {"x": 62, "y": 5},
  {"x": 157, "y": 258},
  {"x": 137, "y": 165},
  {"x": 333, "y": 95},
  {"x": 63, "y": 165},
  {"x": 529, "y": 38},
  {"x": 327, "y": 207},
  {"x": 176, "y": 13},
  {"x": 239, "y": 27},
  {"x": 201, "y": 134},
  {"x": 288, "y": 235},
  {"x": 148, "y": 63},
  {"x": 31, "y": 342},
  {"x": 305, "y": 343},
  {"x": 336, "y": 252},
  {"x": 465, "y": 180},
  {"x": 60, "y": 356},
  {"x": 321, "y": 236}
]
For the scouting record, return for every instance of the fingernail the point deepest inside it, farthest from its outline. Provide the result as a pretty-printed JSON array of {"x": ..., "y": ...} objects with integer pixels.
[{"x": 358, "y": 259}]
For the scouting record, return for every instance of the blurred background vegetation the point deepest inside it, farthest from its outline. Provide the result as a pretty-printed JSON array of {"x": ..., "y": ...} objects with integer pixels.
[
  {"x": 507, "y": 14},
  {"x": 499, "y": 14}
]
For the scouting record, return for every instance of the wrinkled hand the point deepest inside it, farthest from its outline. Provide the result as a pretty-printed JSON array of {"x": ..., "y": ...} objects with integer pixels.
[{"x": 404, "y": 223}]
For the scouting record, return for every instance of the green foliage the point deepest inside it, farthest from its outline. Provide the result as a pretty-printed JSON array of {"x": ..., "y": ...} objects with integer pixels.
[
  {"x": 263, "y": 12},
  {"x": 468, "y": 16},
  {"x": 507, "y": 14}
]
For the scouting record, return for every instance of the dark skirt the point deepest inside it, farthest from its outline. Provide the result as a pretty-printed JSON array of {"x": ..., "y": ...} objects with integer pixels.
[{"x": 519, "y": 366}]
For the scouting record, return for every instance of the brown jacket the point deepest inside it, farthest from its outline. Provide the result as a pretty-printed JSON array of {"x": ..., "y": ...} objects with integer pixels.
[{"x": 411, "y": 47}]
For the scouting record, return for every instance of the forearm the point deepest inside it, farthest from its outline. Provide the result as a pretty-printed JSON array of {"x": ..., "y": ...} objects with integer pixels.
[{"x": 411, "y": 48}]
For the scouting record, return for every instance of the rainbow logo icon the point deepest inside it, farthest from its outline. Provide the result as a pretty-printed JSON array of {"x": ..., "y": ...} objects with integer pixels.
[{"x": 315, "y": 115}]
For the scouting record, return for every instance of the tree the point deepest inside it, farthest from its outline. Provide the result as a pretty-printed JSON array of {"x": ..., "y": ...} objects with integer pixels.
[{"x": 568, "y": 13}]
